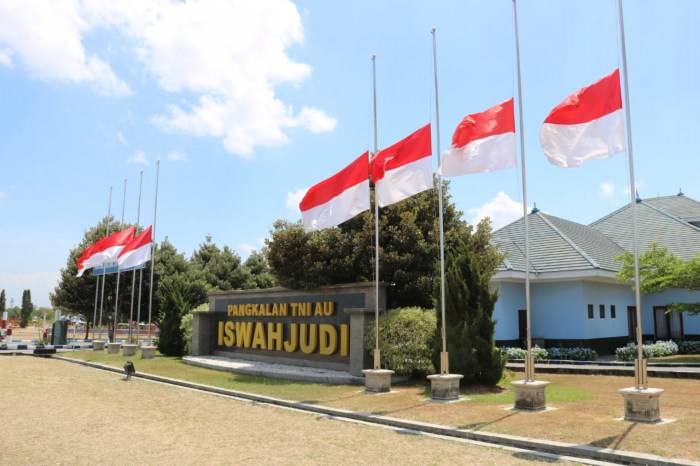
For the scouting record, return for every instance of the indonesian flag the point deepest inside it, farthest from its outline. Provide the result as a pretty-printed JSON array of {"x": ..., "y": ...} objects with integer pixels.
[
  {"x": 136, "y": 252},
  {"x": 80, "y": 261},
  {"x": 404, "y": 169},
  {"x": 586, "y": 126},
  {"x": 338, "y": 198},
  {"x": 482, "y": 142},
  {"x": 106, "y": 249}
]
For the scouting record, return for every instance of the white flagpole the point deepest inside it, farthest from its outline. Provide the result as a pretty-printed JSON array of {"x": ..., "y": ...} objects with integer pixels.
[
  {"x": 377, "y": 358},
  {"x": 640, "y": 368},
  {"x": 97, "y": 283},
  {"x": 133, "y": 277},
  {"x": 116, "y": 294},
  {"x": 444, "y": 361},
  {"x": 529, "y": 363},
  {"x": 153, "y": 254},
  {"x": 104, "y": 275}
]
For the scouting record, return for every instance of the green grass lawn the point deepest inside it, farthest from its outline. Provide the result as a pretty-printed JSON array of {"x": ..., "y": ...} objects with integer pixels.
[{"x": 679, "y": 359}]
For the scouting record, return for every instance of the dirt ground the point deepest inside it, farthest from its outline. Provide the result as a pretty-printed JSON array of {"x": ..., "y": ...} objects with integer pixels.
[{"x": 56, "y": 412}]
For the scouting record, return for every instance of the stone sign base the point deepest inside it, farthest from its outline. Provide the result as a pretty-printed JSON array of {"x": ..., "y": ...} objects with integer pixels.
[
  {"x": 128, "y": 350},
  {"x": 378, "y": 380},
  {"x": 113, "y": 348},
  {"x": 98, "y": 345},
  {"x": 530, "y": 395},
  {"x": 642, "y": 404},
  {"x": 148, "y": 352},
  {"x": 444, "y": 387}
]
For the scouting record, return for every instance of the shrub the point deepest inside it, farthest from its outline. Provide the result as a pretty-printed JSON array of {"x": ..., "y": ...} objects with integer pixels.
[
  {"x": 405, "y": 339},
  {"x": 579, "y": 353},
  {"x": 689, "y": 347},
  {"x": 186, "y": 327},
  {"x": 519, "y": 353},
  {"x": 653, "y": 350}
]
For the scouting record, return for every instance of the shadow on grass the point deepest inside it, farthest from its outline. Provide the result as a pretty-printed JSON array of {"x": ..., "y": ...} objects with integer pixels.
[
  {"x": 481, "y": 425},
  {"x": 535, "y": 457},
  {"x": 614, "y": 441}
]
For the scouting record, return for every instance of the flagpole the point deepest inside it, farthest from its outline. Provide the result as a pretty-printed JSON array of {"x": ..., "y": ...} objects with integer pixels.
[
  {"x": 116, "y": 294},
  {"x": 104, "y": 275},
  {"x": 640, "y": 367},
  {"x": 377, "y": 358},
  {"x": 133, "y": 276},
  {"x": 444, "y": 361},
  {"x": 153, "y": 254},
  {"x": 97, "y": 284},
  {"x": 529, "y": 363}
]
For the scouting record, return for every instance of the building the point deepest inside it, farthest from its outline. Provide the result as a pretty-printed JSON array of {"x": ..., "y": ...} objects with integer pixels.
[{"x": 575, "y": 298}]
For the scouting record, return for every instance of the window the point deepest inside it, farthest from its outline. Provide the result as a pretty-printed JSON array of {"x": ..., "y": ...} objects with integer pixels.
[
  {"x": 602, "y": 311},
  {"x": 590, "y": 311},
  {"x": 612, "y": 311}
]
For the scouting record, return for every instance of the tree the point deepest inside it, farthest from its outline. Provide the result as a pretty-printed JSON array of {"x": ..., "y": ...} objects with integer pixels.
[
  {"x": 222, "y": 269},
  {"x": 260, "y": 275},
  {"x": 659, "y": 270},
  {"x": 409, "y": 247},
  {"x": 3, "y": 302},
  {"x": 469, "y": 305},
  {"x": 27, "y": 308}
]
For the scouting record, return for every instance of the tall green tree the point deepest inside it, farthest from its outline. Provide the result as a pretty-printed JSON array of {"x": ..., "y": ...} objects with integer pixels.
[
  {"x": 408, "y": 249},
  {"x": 469, "y": 305},
  {"x": 27, "y": 308},
  {"x": 3, "y": 302},
  {"x": 222, "y": 268},
  {"x": 659, "y": 270},
  {"x": 260, "y": 275}
]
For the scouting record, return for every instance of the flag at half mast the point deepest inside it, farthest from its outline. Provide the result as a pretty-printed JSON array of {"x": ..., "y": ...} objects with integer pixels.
[
  {"x": 404, "y": 169},
  {"x": 338, "y": 198},
  {"x": 105, "y": 249},
  {"x": 482, "y": 142},
  {"x": 587, "y": 125},
  {"x": 136, "y": 252}
]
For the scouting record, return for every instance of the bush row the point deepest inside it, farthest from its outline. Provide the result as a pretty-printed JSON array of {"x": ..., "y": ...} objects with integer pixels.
[
  {"x": 651, "y": 350},
  {"x": 567, "y": 354}
]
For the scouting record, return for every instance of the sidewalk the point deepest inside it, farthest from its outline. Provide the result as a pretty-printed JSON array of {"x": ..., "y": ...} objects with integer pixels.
[{"x": 683, "y": 371}]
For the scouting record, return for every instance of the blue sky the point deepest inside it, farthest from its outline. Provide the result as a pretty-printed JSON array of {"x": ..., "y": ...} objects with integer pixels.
[{"x": 246, "y": 104}]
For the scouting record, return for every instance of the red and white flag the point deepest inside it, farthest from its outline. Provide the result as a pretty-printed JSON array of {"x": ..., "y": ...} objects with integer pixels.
[
  {"x": 136, "y": 252},
  {"x": 482, "y": 142},
  {"x": 587, "y": 125},
  {"x": 106, "y": 249},
  {"x": 80, "y": 261},
  {"x": 404, "y": 169},
  {"x": 338, "y": 198}
]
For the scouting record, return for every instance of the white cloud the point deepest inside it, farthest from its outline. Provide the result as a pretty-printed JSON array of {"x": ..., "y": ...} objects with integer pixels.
[
  {"x": 3, "y": 194},
  {"x": 122, "y": 140},
  {"x": 177, "y": 156},
  {"x": 501, "y": 209},
  {"x": 607, "y": 189},
  {"x": 138, "y": 157},
  {"x": 46, "y": 38},
  {"x": 224, "y": 58},
  {"x": 294, "y": 198}
]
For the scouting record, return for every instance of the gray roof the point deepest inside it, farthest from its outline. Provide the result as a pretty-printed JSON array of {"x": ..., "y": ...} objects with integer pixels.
[
  {"x": 556, "y": 245},
  {"x": 661, "y": 220}
]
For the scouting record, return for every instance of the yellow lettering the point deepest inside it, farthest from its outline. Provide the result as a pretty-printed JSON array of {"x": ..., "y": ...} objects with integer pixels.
[
  {"x": 344, "y": 339},
  {"x": 241, "y": 310},
  {"x": 319, "y": 309},
  {"x": 284, "y": 309},
  {"x": 275, "y": 336},
  {"x": 328, "y": 309},
  {"x": 294, "y": 309},
  {"x": 292, "y": 344},
  {"x": 220, "y": 334},
  {"x": 259, "y": 336},
  {"x": 328, "y": 339},
  {"x": 308, "y": 338},
  {"x": 244, "y": 330},
  {"x": 229, "y": 338}
]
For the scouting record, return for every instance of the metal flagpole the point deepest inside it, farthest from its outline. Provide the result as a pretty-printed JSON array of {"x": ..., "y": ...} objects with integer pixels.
[
  {"x": 97, "y": 283},
  {"x": 444, "y": 361},
  {"x": 377, "y": 358},
  {"x": 133, "y": 279},
  {"x": 104, "y": 275},
  {"x": 640, "y": 366},
  {"x": 116, "y": 294},
  {"x": 153, "y": 254},
  {"x": 529, "y": 363}
]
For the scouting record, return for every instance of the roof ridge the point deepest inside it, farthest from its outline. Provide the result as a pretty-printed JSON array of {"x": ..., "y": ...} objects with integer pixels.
[{"x": 570, "y": 241}]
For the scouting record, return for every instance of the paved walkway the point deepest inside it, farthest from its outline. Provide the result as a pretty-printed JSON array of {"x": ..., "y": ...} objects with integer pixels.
[{"x": 686, "y": 371}]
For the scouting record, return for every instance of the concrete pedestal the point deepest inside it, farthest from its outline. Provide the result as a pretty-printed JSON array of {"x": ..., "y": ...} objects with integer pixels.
[
  {"x": 129, "y": 350},
  {"x": 444, "y": 387},
  {"x": 377, "y": 380},
  {"x": 148, "y": 352},
  {"x": 98, "y": 345},
  {"x": 530, "y": 395},
  {"x": 113, "y": 348},
  {"x": 642, "y": 404}
]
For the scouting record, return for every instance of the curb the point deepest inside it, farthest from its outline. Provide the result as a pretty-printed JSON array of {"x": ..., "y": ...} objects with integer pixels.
[{"x": 557, "y": 448}]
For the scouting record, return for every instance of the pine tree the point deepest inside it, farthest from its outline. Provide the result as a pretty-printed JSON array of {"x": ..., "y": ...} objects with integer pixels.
[
  {"x": 27, "y": 308},
  {"x": 3, "y": 302}
]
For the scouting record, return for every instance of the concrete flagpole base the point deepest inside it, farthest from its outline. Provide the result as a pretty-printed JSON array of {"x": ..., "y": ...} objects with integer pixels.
[
  {"x": 113, "y": 348},
  {"x": 377, "y": 380},
  {"x": 148, "y": 352},
  {"x": 642, "y": 404},
  {"x": 444, "y": 387},
  {"x": 129, "y": 350},
  {"x": 98, "y": 345},
  {"x": 530, "y": 394}
]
